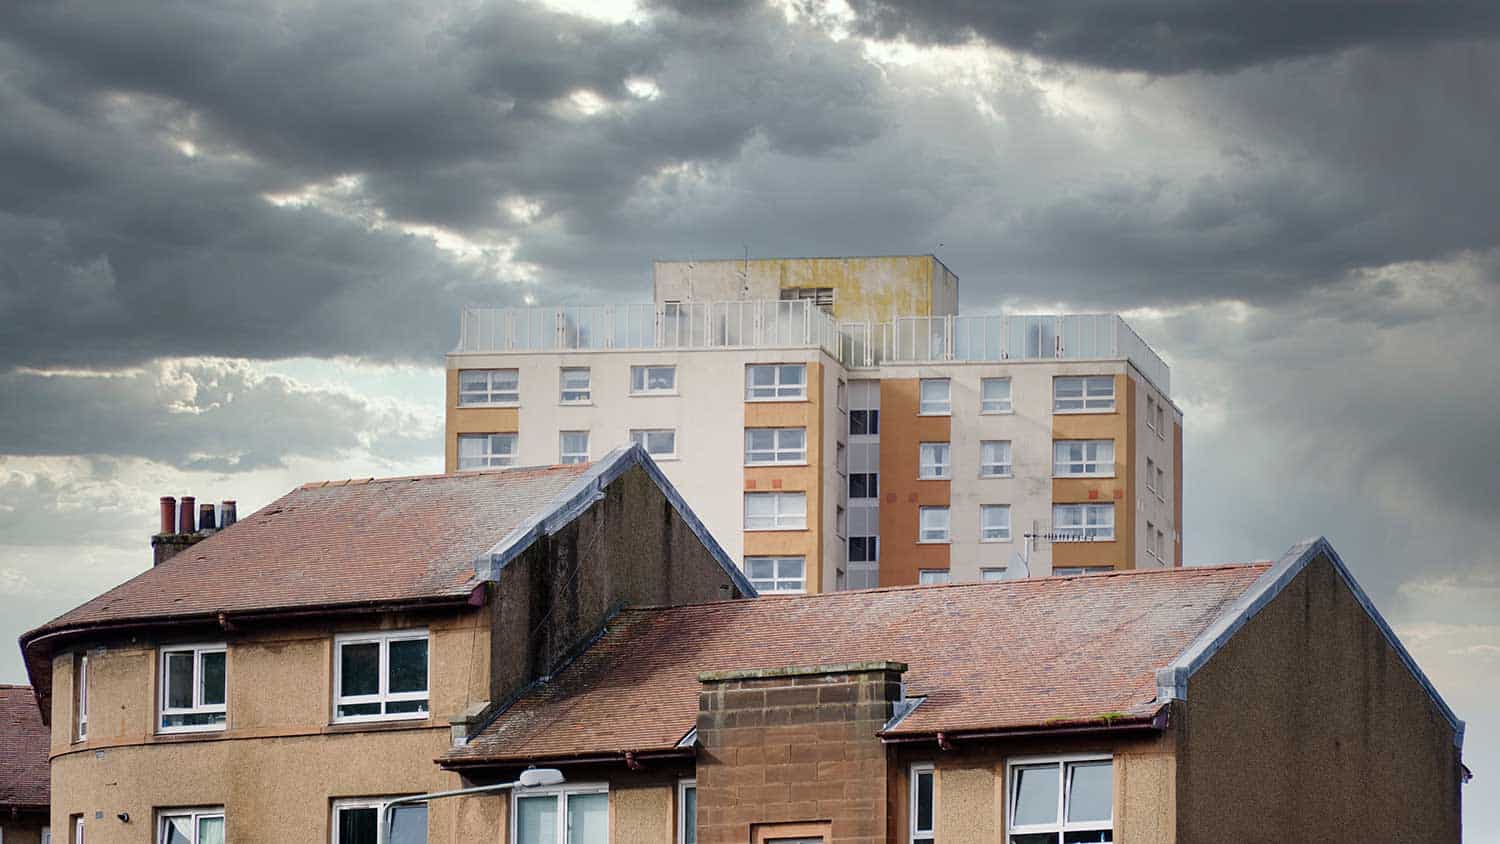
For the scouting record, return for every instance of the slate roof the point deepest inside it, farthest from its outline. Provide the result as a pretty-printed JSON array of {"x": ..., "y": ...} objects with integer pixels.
[
  {"x": 24, "y": 739},
  {"x": 1022, "y": 654}
]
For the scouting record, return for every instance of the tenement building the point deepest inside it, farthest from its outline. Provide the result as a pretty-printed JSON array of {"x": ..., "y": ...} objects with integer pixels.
[
  {"x": 24, "y": 782},
  {"x": 870, "y": 434}
]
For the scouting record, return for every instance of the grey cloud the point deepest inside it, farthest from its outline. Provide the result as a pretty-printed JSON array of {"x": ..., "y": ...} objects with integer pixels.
[{"x": 1176, "y": 36}]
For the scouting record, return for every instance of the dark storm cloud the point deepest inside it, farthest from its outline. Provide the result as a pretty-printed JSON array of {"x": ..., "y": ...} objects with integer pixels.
[{"x": 1177, "y": 36}]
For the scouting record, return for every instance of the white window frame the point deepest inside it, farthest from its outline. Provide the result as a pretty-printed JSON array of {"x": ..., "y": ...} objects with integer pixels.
[
  {"x": 778, "y": 454},
  {"x": 991, "y": 574},
  {"x": 917, "y": 835},
  {"x": 562, "y": 793},
  {"x": 645, "y": 380},
  {"x": 1090, "y": 399},
  {"x": 935, "y": 407},
  {"x": 491, "y": 459},
  {"x": 198, "y": 707},
  {"x": 565, "y": 456},
  {"x": 1061, "y": 826},
  {"x": 779, "y": 391},
  {"x": 563, "y": 389},
  {"x": 376, "y": 803},
  {"x": 490, "y": 391},
  {"x": 989, "y": 469},
  {"x": 78, "y": 829},
  {"x": 81, "y": 696},
  {"x": 935, "y": 461},
  {"x": 194, "y": 815},
  {"x": 1099, "y": 465},
  {"x": 1079, "y": 571},
  {"x": 934, "y": 577},
  {"x": 922, "y": 529},
  {"x": 384, "y": 695},
  {"x": 642, "y": 436},
  {"x": 779, "y": 584},
  {"x": 682, "y": 789},
  {"x": 984, "y": 529},
  {"x": 1098, "y": 532},
  {"x": 996, "y": 407},
  {"x": 782, "y": 518}
]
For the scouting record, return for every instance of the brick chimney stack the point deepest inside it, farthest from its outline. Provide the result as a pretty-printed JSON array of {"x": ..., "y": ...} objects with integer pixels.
[{"x": 184, "y": 523}]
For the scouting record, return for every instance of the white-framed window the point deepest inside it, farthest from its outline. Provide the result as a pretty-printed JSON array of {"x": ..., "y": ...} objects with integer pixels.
[
  {"x": 687, "y": 812},
  {"x": 81, "y": 690},
  {"x": 786, "y": 575},
  {"x": 923, "y": 811},
  {"x": 991, "y": 574},
  {"x": 486, "y": 451},
  {"x": 1083, "y": 394},
  {"x": 575, "y": 385},
  {"x": 77, "y": 829},
  {"x": 573, "y": 447},
  {"x": 994, "y": 523},
  {"x": 994, "y": 459},
  {"x": 1060, "y": 799},
  {"x": 1084, "y": 522},
  {"x": 864, "y": 485},
  {"x": 934, "y": 462},
  {"x": 1073, "y": 571},
  {"x": 775, "y": 381},
  {"x": 190, "y": 826},
  {"x": 1083, "y": 458},
  {"x": 769, "y": 446},
  {"x": 660, "y": 443},
  {"x": 994, "y": 395},
  {"x": 864, "y": 549},
  {"x": 192, "y": 688},
  {"x": 46, "y": 835},
  {"x": 820, "y": 296},
  {"x": 864, "y": 423},
  {"x": 653, "y": 380},
  {"x": 935, "y": 398},
  {"x": 380, "y": 676},
  {"x": 569, "y": 814},
  {"x": 479, "y": 387},
  {"x": 775, "y": 511},
  {"x": 933, "y": 524},
  {"x": 357, "y": 821},
  {"x": 933, "y": 577}
]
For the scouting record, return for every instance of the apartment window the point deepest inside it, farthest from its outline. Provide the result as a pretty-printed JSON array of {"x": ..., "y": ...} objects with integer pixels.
[
  {"x": 192, "y": 688},
  {"x": 1091, "y": 394},
  {"x": 1062, "y": 800},
  {"x": 573, "y": 447},
  {"x": 994, "y": 395},
  {"x": 862, "y": 422},
  {"x": 935, "y": 398},
  {"x": 191, "y": 826},
  {"x": 653, "y": 380},
  {"x": 576, "y": 387},
  {"x": 1161, "y": 544},
  {"x": 1161, "y": 420},
  {"x": 775, "y": 381},
  {"x": 574, "y": 814},
  {"x": 488, "y": 386},
  {"x": 660, "y": 443},
  {"x": 486, "y": 451},
  {"x": 1151, "y": 476},
  {"x": 991, "y": 575},
  {"x": 1071, "y": 571},
  {"x": 934, "y": 463},
  {"x": 76, "y": 822},
  {"x": 1083, "y": 458},
  {"x": 841, "y": 396},
  {"x": 358, "y": 822},
  {"x": 841, "y": 459},
  {"x": 994, "y": 459},
  {"x": 775, "y": 511},
  {"x": 767, "y": 446},
  {"x": 932, "y": 577},
  {"x": 1151, "y": 413},
  {"x": 864, "y": 485},
  {"x": 380, "y": 676},
  {"x": 1151, "y": 541},
  {"x": 994, "y": 523},
  {"x": 81, "y": 689},
  {"x": 1084, "y": 522},
  {"x": 687, "y": 812},
  {"x": 933, "y": 522},
  {"x": 777, "y": 574},
  {"x": 820, "y": 296},
  {"x": 1161, "y": 484},
  {"x": 922, "y": 824},
  {"x": 864, "y": 549}
]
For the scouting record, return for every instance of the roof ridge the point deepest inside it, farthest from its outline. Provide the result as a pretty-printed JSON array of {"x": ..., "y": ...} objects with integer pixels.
[{"x": 440, "y": 475}]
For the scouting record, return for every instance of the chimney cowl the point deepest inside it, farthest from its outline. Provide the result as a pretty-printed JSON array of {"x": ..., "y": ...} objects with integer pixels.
[
  {"x": 186, "y": 515},
  {"x": 227, "y": 513},
  {"x": 168, "y": 514},
  {"x": 205, "y": 517}
]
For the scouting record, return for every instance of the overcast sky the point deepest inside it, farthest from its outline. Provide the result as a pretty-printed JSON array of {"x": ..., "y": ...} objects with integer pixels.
[{"x": 235, "y": 238}]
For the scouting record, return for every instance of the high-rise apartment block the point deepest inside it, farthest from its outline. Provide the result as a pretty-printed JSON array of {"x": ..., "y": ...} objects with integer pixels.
[{"x": 836, "y": 423}]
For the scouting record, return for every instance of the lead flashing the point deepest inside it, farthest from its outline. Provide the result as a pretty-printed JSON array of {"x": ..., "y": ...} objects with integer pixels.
[{"x": 801, "y": 671}]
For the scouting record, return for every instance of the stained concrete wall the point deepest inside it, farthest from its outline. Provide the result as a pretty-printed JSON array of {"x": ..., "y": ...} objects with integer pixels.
[{"x": 1307, "y": 726}]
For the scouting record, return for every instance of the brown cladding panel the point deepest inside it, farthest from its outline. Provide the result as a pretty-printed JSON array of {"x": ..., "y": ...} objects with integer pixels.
[
  {"x": 902, "y": 431},
  {"x": 472, "y": 420},
  {"x": 1118, "y": 426},
  {"x": 809, "y": 478}
]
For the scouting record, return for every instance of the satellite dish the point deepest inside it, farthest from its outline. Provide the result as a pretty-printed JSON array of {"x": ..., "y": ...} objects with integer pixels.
[{"x": 1017, "y": 570}]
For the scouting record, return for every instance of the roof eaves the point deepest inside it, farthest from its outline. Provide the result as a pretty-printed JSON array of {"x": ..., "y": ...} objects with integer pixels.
[{"x": 1172, "y": 681}]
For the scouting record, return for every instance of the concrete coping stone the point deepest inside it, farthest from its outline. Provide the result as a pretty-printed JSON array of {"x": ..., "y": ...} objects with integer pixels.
[{"x": 801, "y": 671}]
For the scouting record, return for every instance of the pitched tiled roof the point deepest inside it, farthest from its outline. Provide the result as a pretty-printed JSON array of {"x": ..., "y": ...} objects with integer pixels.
[
  {"x": 24, "y": 778},
  {"x": 987, "y": 656}
]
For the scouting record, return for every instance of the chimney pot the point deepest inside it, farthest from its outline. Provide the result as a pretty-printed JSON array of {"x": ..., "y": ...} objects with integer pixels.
[
  {"x": 227, "y": 514},
  {"x": 185, "y": 515},
  {"x": 205, "y": 517},
  {"x": 168, "y": 514}
]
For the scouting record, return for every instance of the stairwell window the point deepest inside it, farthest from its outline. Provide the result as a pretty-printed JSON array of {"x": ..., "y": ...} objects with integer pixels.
[
  {"x": 922, "y": 793},
  {"x": 864, "y": 485},
  {"x": 935, "y": 398},
  {"x": 771, "y": 575},
  {"x": 191, "y": 826},
  {"x": 934, "y": 464},
  {"x": 1062, "y": 800},
  {"x": 192, "y": 688},
  {"x": 653, "y": 380},
  {"x": 1091, "y": 394},
  {"x": 481, "y": 387},
  {"x": 994, "y": 459},
  {"x": 380, "y": 676},
  {"x": 576, "y": 385},
  {"x": 932, "y": 524},
  {"x": 1083, "y": 458},
  {"x": 1083, "y": 522},
  {"x": 864, "y": 423},
  {"x": 994, "y": 395},
  {"x": 776, "y": 382},
  {"x": 486, "y": 451},
  {"x": 775, "y": 511},
  {"x": 771, "y": 446}
]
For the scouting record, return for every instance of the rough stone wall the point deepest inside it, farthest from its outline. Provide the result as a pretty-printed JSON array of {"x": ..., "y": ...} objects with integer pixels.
[{"x": 795, "y": 745}]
